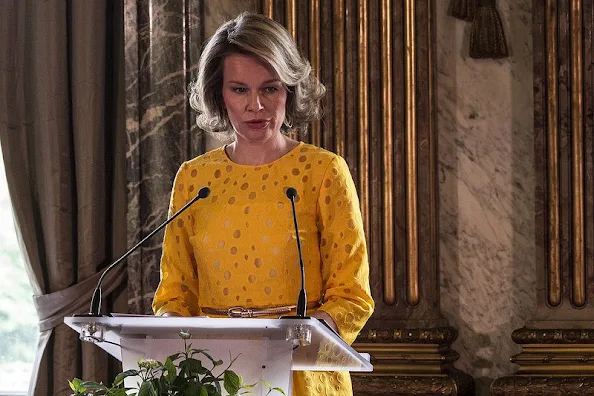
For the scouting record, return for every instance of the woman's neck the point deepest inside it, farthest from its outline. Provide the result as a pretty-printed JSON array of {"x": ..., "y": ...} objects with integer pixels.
[{"x": 248, "y": 153}]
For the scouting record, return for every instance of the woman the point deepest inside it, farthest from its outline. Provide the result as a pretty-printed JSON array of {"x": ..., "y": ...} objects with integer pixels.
[{"x": 237, "y": 248}]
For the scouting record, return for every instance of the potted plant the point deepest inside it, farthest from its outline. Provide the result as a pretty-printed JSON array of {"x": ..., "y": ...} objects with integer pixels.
[{"x": 182, "y": 374}]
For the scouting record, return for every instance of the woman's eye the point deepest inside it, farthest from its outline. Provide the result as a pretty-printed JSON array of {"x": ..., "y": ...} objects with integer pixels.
[
  {"x": 270, "y": 90},
  {"x": 239, "y": 90}
]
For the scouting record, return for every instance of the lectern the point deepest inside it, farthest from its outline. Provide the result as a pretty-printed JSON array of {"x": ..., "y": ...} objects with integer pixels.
[{"x": 267, "y": 349}]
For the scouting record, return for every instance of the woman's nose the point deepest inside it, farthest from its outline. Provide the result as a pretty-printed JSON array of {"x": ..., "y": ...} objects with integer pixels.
[{"x": 254, "y": 104}]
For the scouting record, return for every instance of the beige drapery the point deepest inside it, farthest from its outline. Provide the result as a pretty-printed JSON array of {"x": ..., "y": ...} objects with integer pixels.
[{"x": 63, "y": 143}]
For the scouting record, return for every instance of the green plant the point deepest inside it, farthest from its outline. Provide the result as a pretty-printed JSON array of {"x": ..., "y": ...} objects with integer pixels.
[{"x": 182, "y": 374}]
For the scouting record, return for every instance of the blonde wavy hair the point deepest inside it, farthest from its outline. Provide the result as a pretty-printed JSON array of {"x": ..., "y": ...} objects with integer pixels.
[{"x": 256, "y": 35}]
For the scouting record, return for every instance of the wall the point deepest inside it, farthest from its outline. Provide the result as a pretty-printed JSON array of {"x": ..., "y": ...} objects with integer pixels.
[{"x": 486, "y": 189}]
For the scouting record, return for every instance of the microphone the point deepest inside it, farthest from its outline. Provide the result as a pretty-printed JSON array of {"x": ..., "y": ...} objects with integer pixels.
[
  {"x": 96, "y": 300},
  {"x": 302, "y": 300}
]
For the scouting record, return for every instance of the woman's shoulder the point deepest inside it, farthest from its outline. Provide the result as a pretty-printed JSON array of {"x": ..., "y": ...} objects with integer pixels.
[
  {"x": 214, "y": 157},
  {"x": 321, "y": 158},
  {"x": 317, "y": 153}
]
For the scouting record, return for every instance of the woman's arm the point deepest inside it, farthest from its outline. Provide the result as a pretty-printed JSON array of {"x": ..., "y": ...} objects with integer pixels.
[
  {"x": 345, "y": 266},
  {"x": 326, "y": 318},
  {"x": 177, "y": 292}
]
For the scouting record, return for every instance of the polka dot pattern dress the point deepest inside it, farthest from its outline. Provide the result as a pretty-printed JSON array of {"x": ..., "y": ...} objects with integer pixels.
[{"x": 238, "y": 246}]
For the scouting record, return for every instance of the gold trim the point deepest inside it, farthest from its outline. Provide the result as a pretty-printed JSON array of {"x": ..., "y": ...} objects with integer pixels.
[
  {"x": 428, "y": 350},
  {"x": 528, "y": 385},
  {"x": 268, "y": 8},
  {"x": 386, "y": 39},
  {"x": 554, "y": 263},
  {"x": 436, "y": 335},
  {"x": 314, "y": 56},
  {"x": 557, "y": 336},
  {"x": 556, "y": 369},
  {"x": 556, "y": 351},
  {"x": 339, "y": 113},
  {"x": 405, "y": 369},
  {"x": 577, "y": 134},
  {"x": 412, "y": 263},
  {"x": 291, "y": 17},
  {"x": 555, "y": 359},
  {"x": 363, "y": 116}
]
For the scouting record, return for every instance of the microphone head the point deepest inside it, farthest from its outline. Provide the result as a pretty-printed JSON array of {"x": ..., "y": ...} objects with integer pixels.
[
  {"x": 291, "y": 193},
  {"x": 204, "y": 192}
]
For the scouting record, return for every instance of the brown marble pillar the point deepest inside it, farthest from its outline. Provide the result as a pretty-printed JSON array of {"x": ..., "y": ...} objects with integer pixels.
[
  {"x": 558, "y": 342},
  {"x": 157, "y": 124},
  {"x": 376, "y": 59}
]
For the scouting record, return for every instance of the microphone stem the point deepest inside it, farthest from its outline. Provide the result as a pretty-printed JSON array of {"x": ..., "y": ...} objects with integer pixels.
[
  {"x": 96, "y": 300},
  {"x": 302, "y": 301}
]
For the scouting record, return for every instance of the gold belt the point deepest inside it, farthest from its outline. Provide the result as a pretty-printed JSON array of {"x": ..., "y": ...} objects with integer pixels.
[{"x": 243, "y": 312}]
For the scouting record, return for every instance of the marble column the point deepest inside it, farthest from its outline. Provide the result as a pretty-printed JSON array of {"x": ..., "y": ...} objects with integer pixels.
[
  {"x": 558, "y": 339},
  {"x": 486, "y": 190}
]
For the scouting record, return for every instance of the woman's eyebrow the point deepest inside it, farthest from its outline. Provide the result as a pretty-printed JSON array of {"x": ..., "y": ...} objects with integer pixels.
[{"x": 274, "y": 80}]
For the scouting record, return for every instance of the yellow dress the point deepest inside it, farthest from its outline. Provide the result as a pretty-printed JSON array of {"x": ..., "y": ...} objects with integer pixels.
[{"x": 238, "y": 246}]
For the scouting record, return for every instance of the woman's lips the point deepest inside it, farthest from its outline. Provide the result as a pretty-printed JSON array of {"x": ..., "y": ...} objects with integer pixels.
[{"x": 257, "y": 124}]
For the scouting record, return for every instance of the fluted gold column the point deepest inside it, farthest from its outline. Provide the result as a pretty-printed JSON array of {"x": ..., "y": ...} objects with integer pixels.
[
  {"x": 363, "y": 96},
  {"x": 577, "y": 131},
  {"x": 558, "y": 342},
  {"x": 376, "y": 59},
  {"x": 339, "y": 76},
  {"x": 412, "y": 263},
  {"x": 314, "y": 58},
  {"x": 387, "y": 154}
]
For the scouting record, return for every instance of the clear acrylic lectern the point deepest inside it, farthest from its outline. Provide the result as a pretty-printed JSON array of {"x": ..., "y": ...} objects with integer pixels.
[{"x": 268, "y": 349}]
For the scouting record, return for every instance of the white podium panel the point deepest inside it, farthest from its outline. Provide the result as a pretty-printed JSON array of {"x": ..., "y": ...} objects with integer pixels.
[{"x": 268, "y": 349}]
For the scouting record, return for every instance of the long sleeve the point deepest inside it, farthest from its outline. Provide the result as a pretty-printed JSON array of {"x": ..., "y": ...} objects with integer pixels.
[
  {"x": 178, "y": 289},
  {"x": 345, "y": 265}
]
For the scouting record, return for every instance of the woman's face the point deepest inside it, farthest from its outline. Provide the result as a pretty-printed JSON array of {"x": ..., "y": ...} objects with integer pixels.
[{"x": 254, "y": 98}]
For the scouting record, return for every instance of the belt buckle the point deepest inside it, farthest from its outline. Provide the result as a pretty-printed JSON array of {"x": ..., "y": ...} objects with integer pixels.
[{"x": 239, "y": 312}]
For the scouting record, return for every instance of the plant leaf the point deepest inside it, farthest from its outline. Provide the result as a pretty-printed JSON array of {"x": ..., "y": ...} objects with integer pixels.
[
  {"x": 147, "y": 389},
  {"x": 192, "y": 366},
  {"x": 94, "y": 386},
  {"x": 205, "y": 353},
  {"x": 119, "y": 392},
  {"x": 171, "y": 371},
  {"x": 75, "y": 385},
  {"x": 121, "y": 376},
  {"x": 212, "y": 390},
  {"x": 196, "y": 389},
  {"x": 231, "y": 382},
  {"x": 175, "y": 356},
  {"x": 208, "y": 378}
]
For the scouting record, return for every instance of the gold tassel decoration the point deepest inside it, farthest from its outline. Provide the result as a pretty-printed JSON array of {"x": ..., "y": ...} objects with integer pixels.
[
  {"x": 487, "y": 39},
  {"x": 462, "y": 9}
]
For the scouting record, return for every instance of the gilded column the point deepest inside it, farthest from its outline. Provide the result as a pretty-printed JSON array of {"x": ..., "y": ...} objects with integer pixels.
[
  {"x": 558, "y": 342},
  {"x": 407, "y": 337}
]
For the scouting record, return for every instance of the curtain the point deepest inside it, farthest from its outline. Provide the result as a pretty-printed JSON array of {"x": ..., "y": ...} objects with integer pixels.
[{"x": 63, "y": 141}]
